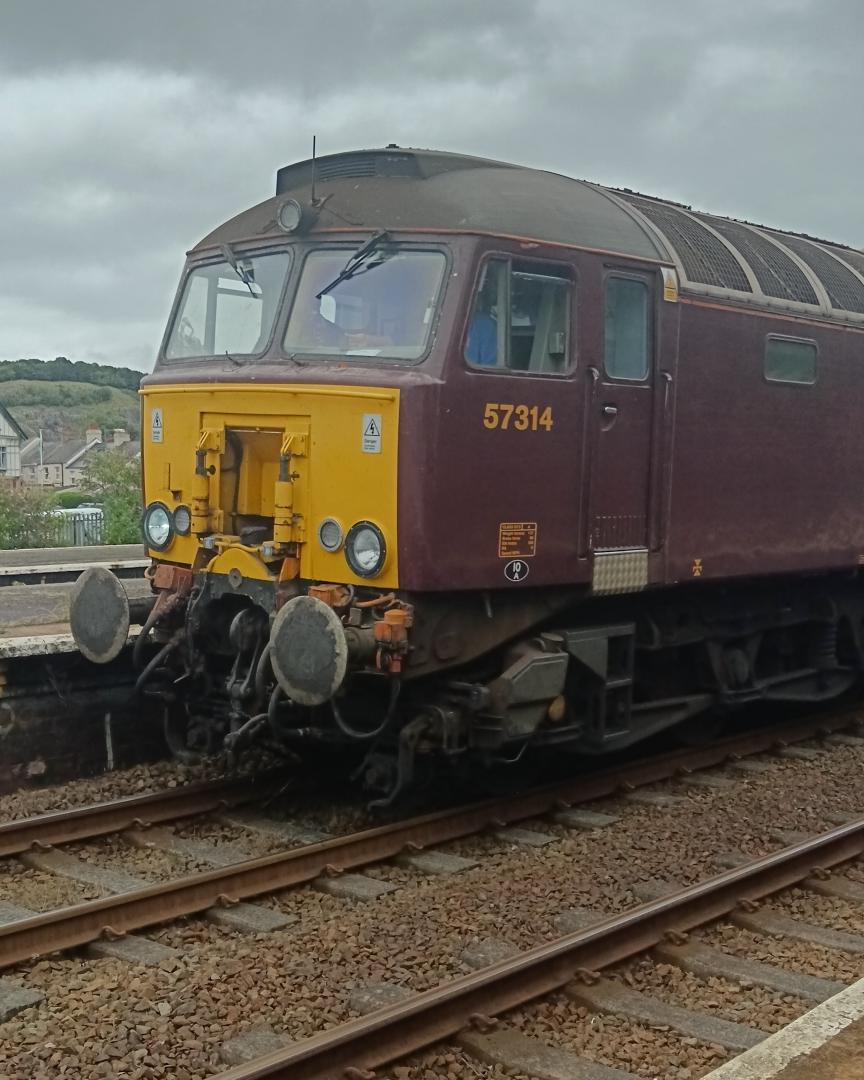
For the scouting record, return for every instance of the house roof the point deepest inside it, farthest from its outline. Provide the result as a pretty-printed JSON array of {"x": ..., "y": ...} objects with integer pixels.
[
  {"x": 64, "y": 453},
  {"x": 12, "y": 422},
  {"x": 130, "y": 449}
]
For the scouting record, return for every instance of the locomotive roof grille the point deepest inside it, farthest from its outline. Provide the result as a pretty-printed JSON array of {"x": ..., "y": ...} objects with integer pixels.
[
  {"x": 351, "y": 166},
  {"x": 854, "y": 258},
  {"x": 705, "y": 258},
  {"x": 354, "y": 167},
  {"x": 777, "y": 274},
  {"x": 844, "y": 290},
  {"x": 439, "y": 191}
]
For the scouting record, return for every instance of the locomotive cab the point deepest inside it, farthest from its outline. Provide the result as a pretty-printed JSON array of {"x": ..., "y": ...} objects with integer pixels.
[{"x": 408, "y": 481}]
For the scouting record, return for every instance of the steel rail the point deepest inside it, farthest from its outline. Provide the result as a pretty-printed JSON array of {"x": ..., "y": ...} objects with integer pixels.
[
  {"x": 78, "y": 925},
  {"x": 101, "y": 819},
  {"x": 402, "y": 1029}
]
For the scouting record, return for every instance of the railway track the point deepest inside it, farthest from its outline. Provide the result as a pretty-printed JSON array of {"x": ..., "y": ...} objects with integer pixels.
[
  {"x": 323, "y": 941},
  {"x": 103, "y": 819},
  {"x": 226, "y": 886},
  {"x": 393, "y": 1033}
]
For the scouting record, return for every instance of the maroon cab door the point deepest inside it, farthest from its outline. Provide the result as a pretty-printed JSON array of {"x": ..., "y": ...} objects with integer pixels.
[{"x": 619, "y": 421}]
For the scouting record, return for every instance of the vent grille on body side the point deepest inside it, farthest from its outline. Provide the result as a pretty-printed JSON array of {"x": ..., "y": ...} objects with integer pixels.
[
  {"x": 705, "y": 259},
  {"x": 777, "y": 274}
]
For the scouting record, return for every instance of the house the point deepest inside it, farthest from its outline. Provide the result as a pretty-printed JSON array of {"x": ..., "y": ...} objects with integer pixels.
[
  {"x": 64, "y": 465},
  {"x": 119, "y": 440},
  {"x": 11, "y": 438}
]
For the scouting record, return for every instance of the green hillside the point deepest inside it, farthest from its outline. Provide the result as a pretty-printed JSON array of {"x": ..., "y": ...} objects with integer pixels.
[{"x": 64, "y": 410}]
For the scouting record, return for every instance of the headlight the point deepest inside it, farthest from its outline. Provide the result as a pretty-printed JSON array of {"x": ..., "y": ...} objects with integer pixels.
[
  {"x": 182, "y": 520},
  {"x": 330, "y": 534},
  {"x": 158, "y": 531},
  {"x": 365, "y": 549}
]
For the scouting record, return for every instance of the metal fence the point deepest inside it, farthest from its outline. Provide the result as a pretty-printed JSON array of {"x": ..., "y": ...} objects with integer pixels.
[{"x": 77, "y": 528}]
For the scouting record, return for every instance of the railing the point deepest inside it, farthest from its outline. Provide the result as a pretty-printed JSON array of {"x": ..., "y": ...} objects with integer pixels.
[{"x": 76, "y": 528}]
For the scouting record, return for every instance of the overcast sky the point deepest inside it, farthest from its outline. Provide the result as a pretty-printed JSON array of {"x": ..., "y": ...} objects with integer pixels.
[{"x": 129, "y": 128}]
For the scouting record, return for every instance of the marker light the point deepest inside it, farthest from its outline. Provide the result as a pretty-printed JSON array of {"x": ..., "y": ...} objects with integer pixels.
[
  {"x": 330, "y": 534},
  {"x": 182, "y": 521}
]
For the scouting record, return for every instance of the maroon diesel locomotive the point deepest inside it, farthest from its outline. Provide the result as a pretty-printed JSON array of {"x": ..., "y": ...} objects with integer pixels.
[{"x": 451, "y": 459}]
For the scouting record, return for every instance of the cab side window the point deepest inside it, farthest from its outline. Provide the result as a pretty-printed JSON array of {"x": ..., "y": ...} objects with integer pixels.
[
  {"x": 521, "y": 318},
  {"x": 627, "y": 329}
]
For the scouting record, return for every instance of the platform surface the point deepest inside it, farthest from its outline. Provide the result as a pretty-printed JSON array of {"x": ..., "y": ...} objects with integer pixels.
[
  {"x": 63, "y": 556},
  {"x": 826, "y": 1043},
  {"x": 841, "y": 1058}
]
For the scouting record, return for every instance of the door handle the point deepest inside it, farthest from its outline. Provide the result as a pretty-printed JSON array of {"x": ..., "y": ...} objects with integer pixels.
[{"x": 610, "y": 410}]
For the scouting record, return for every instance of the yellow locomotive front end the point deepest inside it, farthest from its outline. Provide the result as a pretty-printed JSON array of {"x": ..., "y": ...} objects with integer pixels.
[{"x": 264, "y": 483}]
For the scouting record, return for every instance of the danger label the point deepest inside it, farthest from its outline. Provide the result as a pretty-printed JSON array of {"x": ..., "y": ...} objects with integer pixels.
[
  {"x": 371, "y": 437},
  {"x": 156, "y": 426},
  {"x": 517, "y": 538}
]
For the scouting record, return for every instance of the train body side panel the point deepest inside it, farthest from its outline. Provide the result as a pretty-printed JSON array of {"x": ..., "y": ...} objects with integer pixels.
[{"x": 765, "y": 475}]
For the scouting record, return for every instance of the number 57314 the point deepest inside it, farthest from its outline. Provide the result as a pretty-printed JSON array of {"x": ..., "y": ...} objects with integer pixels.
[{"x": 519, "y": 417}]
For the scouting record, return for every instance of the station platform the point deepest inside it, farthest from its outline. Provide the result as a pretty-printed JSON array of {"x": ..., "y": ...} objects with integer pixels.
[
  {"x": 826, "y": 1043},
  {"x": 37, "y": 586}
]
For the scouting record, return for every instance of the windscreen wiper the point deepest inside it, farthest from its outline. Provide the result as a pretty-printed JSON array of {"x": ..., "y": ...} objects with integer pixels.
[
  {"x": 355, "y": 262},
  {"x": 244, "y": 275}
]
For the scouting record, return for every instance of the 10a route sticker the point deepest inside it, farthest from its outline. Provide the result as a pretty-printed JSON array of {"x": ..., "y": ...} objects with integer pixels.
[{"x": 516, "y": 570}]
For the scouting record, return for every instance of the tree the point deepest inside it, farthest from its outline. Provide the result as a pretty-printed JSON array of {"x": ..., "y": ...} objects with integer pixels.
[
  {"x": 25, "y": 518},
  {"x": 114, "y": 480}
]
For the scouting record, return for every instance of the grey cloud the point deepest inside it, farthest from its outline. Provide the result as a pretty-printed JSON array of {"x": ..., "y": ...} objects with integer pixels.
[{"x": 128, "y": 130}]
